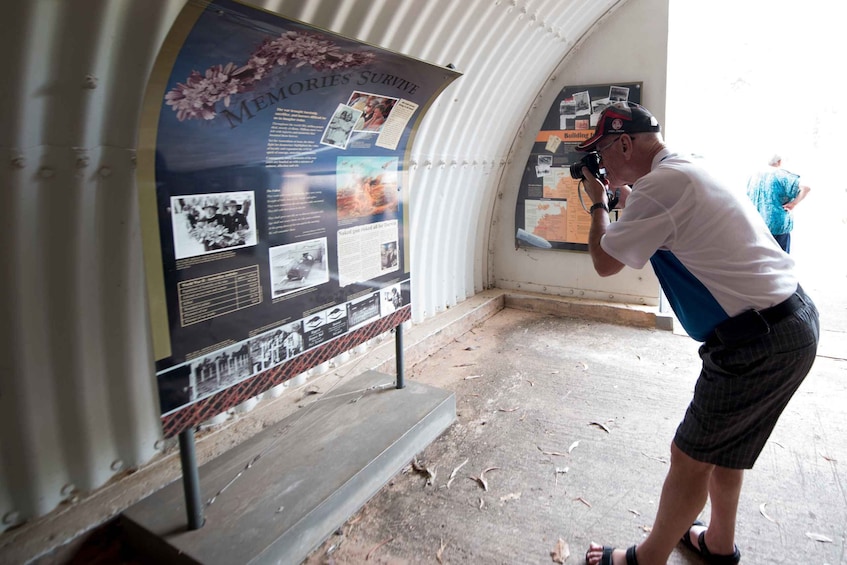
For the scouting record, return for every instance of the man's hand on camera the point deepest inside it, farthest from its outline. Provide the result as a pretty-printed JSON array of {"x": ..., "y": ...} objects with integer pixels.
[{"x": 595, "y": 189}]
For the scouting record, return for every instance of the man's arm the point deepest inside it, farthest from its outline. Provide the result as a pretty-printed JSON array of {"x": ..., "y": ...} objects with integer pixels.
[
  {"x": 804, "y": 190},
  {"x": 604, "y": 264}
]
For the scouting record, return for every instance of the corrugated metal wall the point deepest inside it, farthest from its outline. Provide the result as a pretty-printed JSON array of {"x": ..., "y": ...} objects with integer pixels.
[{"x": 77, "y": 394}]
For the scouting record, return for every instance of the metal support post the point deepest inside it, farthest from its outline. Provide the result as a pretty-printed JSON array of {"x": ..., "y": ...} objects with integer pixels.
[
  {"x": 190, "y": 479},
  {"x": 398, "y": 352}
]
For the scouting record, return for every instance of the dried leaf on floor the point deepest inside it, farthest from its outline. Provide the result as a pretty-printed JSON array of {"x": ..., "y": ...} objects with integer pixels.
[
  {"x": 310, "y": 392},
  {"x": 647, "y": 529},
  {"x": 819, "y": 537},
  {"x": 510, "y": 496},
  {"x": 507, "y": 409},
  {"x": 471, "y": 377},
  {"x": 583, "y": 365},
  {"x": 481, "y": 503},
  {"x": 765, "y": 514},
  {"x": 561, "y": 552},
  {"x": 440, "y": 553},
  {"x": 636, "y": 512},
  {"x": 582, "y": 500},
  {"x": 481, "y": 478},
  {"x": 471, "y": 347},
  {"x": 456, "y": 470},
  {"x": 355, "y": 519},
  {"x": 557, "y": 453},
  {"x": 828, "y": 458},
  {"x": 424, "y": 470},
  {"x": 654, "y": 458},
  {"x": 376, "y": 547},
  {"x": 560, "y": 471},
  {"x": 601, "y": 426},
  {"x": 573, "y": 446}
]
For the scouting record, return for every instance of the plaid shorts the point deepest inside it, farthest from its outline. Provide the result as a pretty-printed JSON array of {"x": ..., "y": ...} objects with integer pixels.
[{"x": 743, "y": 389}]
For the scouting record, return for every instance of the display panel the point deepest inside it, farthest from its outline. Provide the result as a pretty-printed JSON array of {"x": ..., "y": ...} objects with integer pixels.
[
  {"x": 274, "y": 200},
  {"x": 549, "y": 213}
]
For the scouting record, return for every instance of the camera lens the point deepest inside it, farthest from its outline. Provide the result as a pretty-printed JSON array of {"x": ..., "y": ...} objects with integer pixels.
[{"x": 576, "y": 170}]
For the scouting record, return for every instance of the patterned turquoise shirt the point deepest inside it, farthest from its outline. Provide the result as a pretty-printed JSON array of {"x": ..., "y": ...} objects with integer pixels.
[{"x": 769, "y": 189}]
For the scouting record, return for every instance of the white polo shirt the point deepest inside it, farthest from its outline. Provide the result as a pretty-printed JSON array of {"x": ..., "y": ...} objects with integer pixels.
[{"x": 711, "y": 250}]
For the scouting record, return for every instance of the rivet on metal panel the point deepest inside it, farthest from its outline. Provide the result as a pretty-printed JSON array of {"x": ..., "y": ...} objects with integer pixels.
[
  {"x": 159, "y": 445},
  {"x": 453, "y": 163},
  {"x": 611, "y": 297},
  {"x": 82, "y": 158},
  {"x": 117, "y": 465},
  {"x": 428, "y": 164},
  {"x": 413, "y": 163},
  {"x": 46, "y": 172},
  {"x": 90, "y": 82},
  {"x": 11, "y": 517},
  {"x": 465, "y": 163},
  {"x": 442, "y": 163},
  {"x": 105, "y": 172},
  {"x": 18, "y": 162},
  {"x": 133, "y": 158},
  {"x": 582, "y": 293},
  {"x": 68, "y": 489}
]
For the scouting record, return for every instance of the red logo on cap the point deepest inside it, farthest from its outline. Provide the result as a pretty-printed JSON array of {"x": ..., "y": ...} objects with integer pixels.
[{"x": 617, "y": 123}]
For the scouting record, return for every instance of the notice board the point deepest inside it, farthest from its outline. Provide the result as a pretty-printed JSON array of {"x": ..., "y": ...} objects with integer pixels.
[
  {"x": 548, "y": 206},
  {"x": 273, "y": 200}
]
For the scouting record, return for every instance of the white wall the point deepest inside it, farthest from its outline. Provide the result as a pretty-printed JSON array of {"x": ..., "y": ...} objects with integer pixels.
[{"x": 613, "y": 52}]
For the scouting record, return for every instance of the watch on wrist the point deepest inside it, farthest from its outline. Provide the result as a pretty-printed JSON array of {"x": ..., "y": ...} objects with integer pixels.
[{"x": 596, "y": 205}]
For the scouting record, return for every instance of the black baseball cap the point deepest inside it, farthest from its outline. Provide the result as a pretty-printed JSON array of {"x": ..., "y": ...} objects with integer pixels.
[{"x": 621, "y": 117}]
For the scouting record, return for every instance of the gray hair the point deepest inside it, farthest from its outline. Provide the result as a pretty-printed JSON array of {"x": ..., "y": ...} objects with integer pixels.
[{"x": 774, "y": 161}]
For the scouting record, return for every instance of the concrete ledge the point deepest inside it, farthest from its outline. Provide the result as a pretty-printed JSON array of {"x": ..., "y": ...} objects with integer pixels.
[
  {"x": 278, "y": 495},
  {"x": 610, "y": 312}
]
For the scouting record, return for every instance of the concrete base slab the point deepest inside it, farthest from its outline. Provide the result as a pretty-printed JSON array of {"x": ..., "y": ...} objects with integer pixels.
[{"x": 277, "y": 496}]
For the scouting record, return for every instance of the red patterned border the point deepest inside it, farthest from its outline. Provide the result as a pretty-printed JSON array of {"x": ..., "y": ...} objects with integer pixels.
[{"x": 198, "y": 412}]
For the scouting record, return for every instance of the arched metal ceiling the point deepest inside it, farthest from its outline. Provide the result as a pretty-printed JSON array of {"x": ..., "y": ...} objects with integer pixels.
[{"x": 77, "y": 396}]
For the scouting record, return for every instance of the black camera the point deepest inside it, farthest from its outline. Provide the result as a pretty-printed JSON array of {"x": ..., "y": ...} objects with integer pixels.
[{"x": 592, "y": 162}]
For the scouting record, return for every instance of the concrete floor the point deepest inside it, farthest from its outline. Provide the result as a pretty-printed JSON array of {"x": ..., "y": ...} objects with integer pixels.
[{"x": 570, "y": 421}]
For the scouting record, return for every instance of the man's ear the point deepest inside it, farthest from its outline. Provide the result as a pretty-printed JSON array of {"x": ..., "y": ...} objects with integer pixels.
[{"x": 626, "y": 145}]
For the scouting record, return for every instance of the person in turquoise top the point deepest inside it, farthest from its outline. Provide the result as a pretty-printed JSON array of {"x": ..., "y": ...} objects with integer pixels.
[{"x": 775, "y": 192}]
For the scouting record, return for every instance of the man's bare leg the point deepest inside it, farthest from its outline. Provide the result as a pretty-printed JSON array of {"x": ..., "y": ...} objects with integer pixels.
[
  {"x": 683, "y": 497},
  {"x": 724, "y": 492}
]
